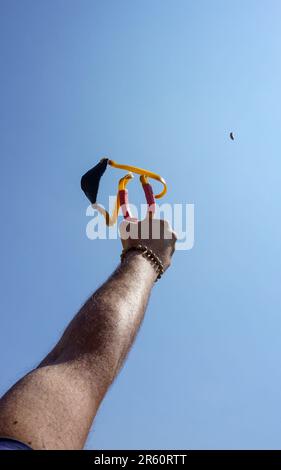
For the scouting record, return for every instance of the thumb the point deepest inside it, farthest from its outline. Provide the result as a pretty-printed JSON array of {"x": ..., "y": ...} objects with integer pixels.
[{"x": 124, "y": 229}]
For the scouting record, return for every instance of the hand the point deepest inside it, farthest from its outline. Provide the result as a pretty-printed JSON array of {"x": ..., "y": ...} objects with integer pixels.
[{"x": 156, "y": 234}]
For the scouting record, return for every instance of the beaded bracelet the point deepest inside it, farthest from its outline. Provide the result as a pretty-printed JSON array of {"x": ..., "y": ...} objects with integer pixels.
[{"x": 149, "y": 255}]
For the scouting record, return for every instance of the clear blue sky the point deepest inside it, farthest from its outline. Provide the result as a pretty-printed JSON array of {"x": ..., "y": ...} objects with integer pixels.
[{"x": 160, "y": 84}]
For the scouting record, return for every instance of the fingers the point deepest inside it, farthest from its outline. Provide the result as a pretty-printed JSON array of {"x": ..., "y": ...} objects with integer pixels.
[
  {"x": 129, "y": 230},
  {"x": 146, "y": 229}
]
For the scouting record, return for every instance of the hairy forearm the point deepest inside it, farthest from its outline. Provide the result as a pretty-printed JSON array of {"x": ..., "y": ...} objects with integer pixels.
[
  {"x": 53, "y": 406},
  {"x": 101, "y": 334},
  {"x": 77, "y": 373}
]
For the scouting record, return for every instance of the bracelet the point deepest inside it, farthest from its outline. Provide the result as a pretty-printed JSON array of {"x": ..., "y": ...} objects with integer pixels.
[{"x": 149, "y": 255}]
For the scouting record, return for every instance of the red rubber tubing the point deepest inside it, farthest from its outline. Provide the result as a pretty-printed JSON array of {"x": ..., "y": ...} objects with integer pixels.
[
  {"x": 124, "y": 203},
  {"x": 124, "y": 200},
  {"x": 150, "y": 199}
]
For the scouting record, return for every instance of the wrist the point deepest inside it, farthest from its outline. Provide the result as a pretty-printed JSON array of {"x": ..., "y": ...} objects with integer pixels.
[
  {"x": 136, "y": 263},
  {"x": 149, "y": 255}
]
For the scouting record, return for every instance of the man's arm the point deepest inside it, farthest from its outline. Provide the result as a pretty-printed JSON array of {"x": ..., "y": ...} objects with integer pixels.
[{"x": 53, "y": 407}]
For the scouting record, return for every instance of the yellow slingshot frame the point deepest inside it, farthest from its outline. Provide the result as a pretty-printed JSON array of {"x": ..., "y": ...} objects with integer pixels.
[
  {"x": 122, "y": 193},
  {"x": 144, "y": 173}
]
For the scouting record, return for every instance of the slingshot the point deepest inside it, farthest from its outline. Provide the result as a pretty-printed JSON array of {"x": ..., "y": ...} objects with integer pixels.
[{"x": 90, "y": 185}]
